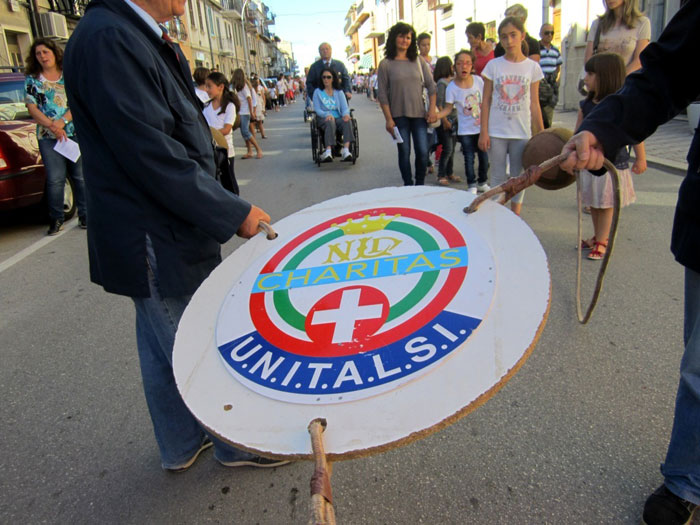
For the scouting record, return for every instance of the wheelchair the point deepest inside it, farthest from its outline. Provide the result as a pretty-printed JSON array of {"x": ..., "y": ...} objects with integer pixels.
[{"x": 318, "y": 144}]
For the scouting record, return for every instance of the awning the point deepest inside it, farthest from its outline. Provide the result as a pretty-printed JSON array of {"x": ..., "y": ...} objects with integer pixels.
[{"x": 367, "y": 61}]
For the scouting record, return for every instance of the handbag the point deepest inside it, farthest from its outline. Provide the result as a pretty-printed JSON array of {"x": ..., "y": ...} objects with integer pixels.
[
  {"x": 596, "y": 40},
  {"x": 437, "y": 123}
]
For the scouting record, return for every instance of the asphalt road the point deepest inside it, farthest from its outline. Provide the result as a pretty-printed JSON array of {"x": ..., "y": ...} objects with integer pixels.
[{"x": 575, "y": 437}]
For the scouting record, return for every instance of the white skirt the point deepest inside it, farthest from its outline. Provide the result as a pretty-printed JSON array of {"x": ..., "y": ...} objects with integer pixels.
[{"x": 597, "y": 192}]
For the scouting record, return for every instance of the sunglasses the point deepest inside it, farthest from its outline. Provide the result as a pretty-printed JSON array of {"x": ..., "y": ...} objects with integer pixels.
[
  {"x": 551, "y": 33},
  {"x": 326, "y": 76}
]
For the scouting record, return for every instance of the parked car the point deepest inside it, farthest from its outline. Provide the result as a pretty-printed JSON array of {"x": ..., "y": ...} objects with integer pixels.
[{"x": 22, "y": 173}]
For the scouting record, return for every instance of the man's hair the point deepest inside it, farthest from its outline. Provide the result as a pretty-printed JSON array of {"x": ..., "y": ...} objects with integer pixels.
[
  {"x": 200, "y": 75},
  {"x": 517, "y": 10},
  {"x": 33, "y": 67},
  {"x": 476, "y": 29},
  {"x": 423, "y": 36},
  {"x": 324, "y": 44},
  {"x": 401, "y": 28}
]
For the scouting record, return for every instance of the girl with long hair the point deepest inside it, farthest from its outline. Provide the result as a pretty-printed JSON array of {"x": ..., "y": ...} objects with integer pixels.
[
  {"x": 332, "y": 112},
  {"x": 511, "y": 106},
  {"x": 220, "y": 112},
  {"x": 245, "y": 97},
  {"x": 605, "y": 74},
  {"x": 623, "y": 30}
]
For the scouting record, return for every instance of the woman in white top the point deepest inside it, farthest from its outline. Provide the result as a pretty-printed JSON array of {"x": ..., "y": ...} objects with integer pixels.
[
  {"x": 220, "y": 112},
  {"x": 245, "y": 96},
  {"x": 623, "y": 30}
]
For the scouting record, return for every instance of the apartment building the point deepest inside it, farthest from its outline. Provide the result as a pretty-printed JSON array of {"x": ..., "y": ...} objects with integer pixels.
[
  {"x": 367, "y": 23},
  {"x": 221, "y": 34}
]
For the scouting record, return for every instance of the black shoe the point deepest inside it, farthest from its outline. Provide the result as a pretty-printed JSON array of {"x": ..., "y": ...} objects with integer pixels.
[
  {"x": 663, "y": 507},
  {"x": 82, "y": 223},
  {"x": 257, "y": 461},
  {"x": 55, "y": 226}
]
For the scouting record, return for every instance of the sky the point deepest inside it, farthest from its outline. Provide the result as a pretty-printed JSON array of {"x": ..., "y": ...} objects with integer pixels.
[{"x": 307, "y": 23}]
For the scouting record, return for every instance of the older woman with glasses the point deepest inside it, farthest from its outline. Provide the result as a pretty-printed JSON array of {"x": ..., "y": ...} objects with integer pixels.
[{"x": 332, "y": 112}]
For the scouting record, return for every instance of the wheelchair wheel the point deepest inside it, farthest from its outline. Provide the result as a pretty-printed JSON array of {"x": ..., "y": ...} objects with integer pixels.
[
  {"x": 314, "y": 134},
  {"x": 356, "y": 143}
]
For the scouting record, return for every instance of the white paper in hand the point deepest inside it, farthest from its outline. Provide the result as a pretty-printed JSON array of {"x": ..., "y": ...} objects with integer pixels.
[
  {"x": 68, "y": 148},
  {"x": 397, "y": 136}
]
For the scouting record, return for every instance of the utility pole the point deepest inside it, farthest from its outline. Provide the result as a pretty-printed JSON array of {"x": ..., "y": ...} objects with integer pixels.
[{"x": 245, "y": 39}]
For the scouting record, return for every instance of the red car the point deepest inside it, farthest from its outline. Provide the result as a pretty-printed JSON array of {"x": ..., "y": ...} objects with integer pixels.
[{"x": 22, "y": 174}]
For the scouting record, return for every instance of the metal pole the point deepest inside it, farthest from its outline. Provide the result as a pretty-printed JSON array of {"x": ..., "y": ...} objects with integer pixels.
[{"x": 245, "y": 39}]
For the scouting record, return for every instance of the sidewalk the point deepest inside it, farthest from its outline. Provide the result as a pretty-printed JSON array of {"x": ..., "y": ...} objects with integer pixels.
[{"x": 666, "y": 149}]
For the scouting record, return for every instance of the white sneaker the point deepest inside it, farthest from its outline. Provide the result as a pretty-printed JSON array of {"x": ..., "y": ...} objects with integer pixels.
[
  {"x": 472, "y": 189},
  {"x": 327, "y": 156},
  {"x": 481, "y": 188},
  {"x": 345, "y": 154}
]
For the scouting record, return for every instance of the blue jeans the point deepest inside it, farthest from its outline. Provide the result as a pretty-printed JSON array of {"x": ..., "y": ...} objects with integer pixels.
[
  {"x": 470, "y": 147},
  {"x": 418, "y": 129},
  {"x": 447, "y": 140},
  {"x": 177, "y": 432},
  {"x": 245, "y": 128},
  {"x": 681, "y": 469},
  {"x": 57, "y": 167}
]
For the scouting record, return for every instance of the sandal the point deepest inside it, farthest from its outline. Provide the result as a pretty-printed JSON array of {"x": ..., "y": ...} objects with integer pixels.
[
  {"x": 588, "y": 244},
  {"x": 259, "y": 155},
  {"x": 454, "y": 178},
  {"x": 596, "y": 253},
  {"x": 442, "y": 181},
  {"x": 247, "y": 156}
]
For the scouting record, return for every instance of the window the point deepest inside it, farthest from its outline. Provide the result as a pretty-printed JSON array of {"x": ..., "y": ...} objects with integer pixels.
[
  {"x": 192, "y": 20},
  {"x": 199, "y": 9}
]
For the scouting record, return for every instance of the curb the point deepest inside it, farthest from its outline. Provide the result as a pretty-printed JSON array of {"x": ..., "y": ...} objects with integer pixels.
[{"x": 680, "y": 168}]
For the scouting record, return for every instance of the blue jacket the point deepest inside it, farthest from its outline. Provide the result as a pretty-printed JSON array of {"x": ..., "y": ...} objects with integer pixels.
[
  {"x": 147, "y": 156},
  {"x": 341, "y": 104},
  {"x": 651, "y": 96},
  {"x": 313, "y": 78}
]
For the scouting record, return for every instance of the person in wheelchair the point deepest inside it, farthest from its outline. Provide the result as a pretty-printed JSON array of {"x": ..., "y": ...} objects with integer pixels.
[{"x": 332, "y": 112}]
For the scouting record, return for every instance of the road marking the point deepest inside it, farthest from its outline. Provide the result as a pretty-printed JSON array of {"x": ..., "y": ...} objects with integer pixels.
[{"x": 23, "y": 254}]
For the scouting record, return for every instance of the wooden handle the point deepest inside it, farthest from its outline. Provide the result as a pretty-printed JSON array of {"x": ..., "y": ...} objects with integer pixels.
[{"x": 271, "y": 234}]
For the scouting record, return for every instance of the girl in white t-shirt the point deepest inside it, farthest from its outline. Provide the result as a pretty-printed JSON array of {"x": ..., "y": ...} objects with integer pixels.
[
  {"x": 220, "y": 112},
  {"x": 510, "y": 110},
  {"x": 465, "y": 93},
  {"x": 245, "y": 97}
]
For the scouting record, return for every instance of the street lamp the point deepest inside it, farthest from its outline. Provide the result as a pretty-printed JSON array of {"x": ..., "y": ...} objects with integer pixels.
[{"x": 245, "y": 39}]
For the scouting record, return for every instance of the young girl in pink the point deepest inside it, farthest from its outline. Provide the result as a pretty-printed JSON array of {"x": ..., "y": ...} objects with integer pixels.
[
  {"x": 605, "y": 74},
  {"x": 510, "y": 110}
]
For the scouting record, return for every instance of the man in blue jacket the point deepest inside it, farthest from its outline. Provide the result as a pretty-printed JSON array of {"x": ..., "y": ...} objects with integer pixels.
[
  {"x": 655, "y": 94},
  {"x": 313, "y": 78},
  {"x": 158, "y": 216}
]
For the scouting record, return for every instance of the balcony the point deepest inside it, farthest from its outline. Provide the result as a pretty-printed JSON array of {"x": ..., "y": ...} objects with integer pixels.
[
  {"x": 362, "y": 13},
  {"x": 176, "y": 29},
  {"x": 433, "y": 5},
  {"x": 69, "y": 8},
  {"x": 231, "y": 9},
  {"x": 376, "y": 30}
]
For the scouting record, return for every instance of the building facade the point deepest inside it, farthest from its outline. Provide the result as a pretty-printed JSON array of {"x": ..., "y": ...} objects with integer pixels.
[
  {"x": 219, "y": 34},
  {"x": 367, "y": 24}
]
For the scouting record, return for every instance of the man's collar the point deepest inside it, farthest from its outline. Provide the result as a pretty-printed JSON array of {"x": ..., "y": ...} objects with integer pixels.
[{"x": 150, "y": 21}]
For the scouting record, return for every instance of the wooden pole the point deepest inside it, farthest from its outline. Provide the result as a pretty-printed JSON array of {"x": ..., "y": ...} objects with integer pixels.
[{"x": 322, "y": 512}]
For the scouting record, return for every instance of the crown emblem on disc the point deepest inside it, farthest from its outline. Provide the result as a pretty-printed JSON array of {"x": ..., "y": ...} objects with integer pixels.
[{"x": 366, "y": 225}]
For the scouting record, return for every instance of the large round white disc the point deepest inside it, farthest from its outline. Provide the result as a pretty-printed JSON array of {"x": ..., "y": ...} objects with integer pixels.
[{"x": 390, "y": 313}]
